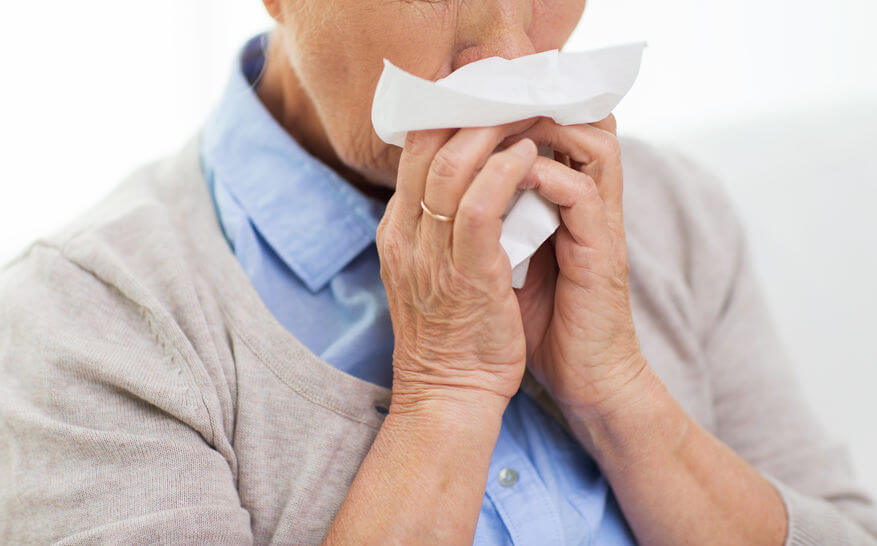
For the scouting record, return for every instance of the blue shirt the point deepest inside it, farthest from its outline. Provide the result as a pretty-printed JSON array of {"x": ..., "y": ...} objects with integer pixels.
[{"x": 305, "y": 238}]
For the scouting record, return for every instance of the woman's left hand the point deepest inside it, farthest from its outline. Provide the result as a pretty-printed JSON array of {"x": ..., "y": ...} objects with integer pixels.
[
  {"x": 581, "y": 341},
  {"x": 581, "y": 345}
]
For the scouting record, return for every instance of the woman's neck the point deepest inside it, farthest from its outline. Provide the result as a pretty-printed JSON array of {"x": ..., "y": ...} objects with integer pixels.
[{"x": 289, "y": 103}]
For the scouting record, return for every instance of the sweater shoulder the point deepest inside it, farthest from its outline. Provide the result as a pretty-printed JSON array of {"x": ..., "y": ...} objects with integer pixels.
[
  {"x": 681, "y": 226},
  {"x": 112, "y": 295},
  {"x": 107, "y": 248},
  {"x": 674, "y": 198}
]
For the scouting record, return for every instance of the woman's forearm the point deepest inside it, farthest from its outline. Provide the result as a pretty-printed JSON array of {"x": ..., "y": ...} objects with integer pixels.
[
  {"x": 423, "y": 480},
  {"x": 675, "y": 482}
]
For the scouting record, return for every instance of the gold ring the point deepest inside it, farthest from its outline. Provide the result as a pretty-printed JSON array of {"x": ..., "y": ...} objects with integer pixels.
[{"x": 439, "y": 217}]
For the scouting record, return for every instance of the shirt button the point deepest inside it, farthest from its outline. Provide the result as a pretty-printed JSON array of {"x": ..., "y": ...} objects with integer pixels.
[{"x": 508, "y": 477}]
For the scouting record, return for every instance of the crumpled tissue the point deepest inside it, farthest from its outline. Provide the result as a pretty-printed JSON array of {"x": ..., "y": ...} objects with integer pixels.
[{"x": 569, "y": 87}]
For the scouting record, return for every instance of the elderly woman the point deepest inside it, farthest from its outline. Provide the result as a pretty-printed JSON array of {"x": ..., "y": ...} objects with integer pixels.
[{"x": 291, "y": 332}]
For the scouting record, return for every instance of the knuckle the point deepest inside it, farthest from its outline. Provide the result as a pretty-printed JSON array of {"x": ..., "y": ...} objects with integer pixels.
[
  {"x": 414, "y": 141},
  {"x": 419, "y": 142},
  {"x": 588, "y": 188},
  {"x": 473, "y": 212},
  {"x": 618, "y": 281},
  {"x": 383, "y": 226},
  {"x": 387, "y": 274},
  {"x": 446, "y": 164},
  {"x": 576, "y": 257},
  {"x": 623, "y": 268},
  {"x": 609, "y": 147},
  {"x": 380, "y": 234},
  {"x": 582, "y": 255},
  {"x": 620, "y": 261},
  {"x": 517, "y": 127},
  {"x": 502, "y": 164},
  {"x": 391, "y": 247},
  {"x": 390, "y": 252},
  {"x": 546, "y": 132}
]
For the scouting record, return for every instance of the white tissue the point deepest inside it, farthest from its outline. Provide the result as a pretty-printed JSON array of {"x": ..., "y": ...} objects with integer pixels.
[{"x": 569, "y": 87}]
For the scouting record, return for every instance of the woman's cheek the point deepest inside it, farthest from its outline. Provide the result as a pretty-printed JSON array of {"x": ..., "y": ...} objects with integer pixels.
[{"x": 554, "y": 22}]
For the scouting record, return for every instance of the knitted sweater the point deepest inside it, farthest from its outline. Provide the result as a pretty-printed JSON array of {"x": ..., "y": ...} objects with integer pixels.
[{"x": 148, "y": 395}]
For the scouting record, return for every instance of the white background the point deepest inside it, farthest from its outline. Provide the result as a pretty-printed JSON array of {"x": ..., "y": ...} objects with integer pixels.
[{"x": 779, "y": 97}]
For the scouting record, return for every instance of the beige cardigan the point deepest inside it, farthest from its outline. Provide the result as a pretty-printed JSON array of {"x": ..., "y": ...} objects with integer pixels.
[{"x": 148, "y": 395}]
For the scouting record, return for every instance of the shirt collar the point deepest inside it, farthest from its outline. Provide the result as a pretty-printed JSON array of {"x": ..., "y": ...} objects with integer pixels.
[{"x": 314, "y": 220}]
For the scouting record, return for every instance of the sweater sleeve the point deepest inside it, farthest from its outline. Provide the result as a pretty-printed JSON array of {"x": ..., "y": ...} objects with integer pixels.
[
  {"x": 104, "y": 437},
  {"x": 759, "y": 409}
]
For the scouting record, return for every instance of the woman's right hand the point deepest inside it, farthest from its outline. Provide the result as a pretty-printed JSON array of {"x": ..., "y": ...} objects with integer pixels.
[
  {"x": 460, "y": 351},
  {"x": 456, "y": 321}
]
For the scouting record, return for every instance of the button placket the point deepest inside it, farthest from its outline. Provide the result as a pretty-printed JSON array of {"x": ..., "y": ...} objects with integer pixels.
[{"x": 519, "y": 496}]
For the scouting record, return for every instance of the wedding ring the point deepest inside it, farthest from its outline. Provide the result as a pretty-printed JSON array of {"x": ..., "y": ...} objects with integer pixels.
[{"x": 439, "y": 217}]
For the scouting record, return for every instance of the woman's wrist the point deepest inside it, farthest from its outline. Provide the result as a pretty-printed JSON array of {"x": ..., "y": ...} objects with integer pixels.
[
  {"x": 647, "y": 445},
  {"x": 423, "y": 479},
  {"x": 455, "y": 407},
  {"x": 640, "y": 418},
  {"x": 420, "y": 387}
]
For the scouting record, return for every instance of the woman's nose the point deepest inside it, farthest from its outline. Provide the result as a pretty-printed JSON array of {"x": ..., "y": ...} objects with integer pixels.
[
  {"x": 494, "y": 28},
  {"x": 507, "y": 46}
]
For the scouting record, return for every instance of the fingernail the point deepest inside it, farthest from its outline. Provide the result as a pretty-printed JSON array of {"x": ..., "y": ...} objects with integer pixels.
[{"x": 524, "y": 147}]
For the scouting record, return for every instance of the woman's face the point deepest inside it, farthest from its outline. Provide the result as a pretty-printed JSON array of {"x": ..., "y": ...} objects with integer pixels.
[{"x": 335, "y": 48}]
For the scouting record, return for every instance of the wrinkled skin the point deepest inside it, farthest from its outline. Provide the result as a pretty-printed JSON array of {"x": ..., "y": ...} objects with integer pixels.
[
  {"x": 458, "y": 325},
  {"x": 463, "y": 336},
  {"x": 325, "y": 61}
]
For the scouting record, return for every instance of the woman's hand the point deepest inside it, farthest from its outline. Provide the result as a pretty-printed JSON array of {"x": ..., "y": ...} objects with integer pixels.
[
  {"x": 460, "y": 350},
  {"x": 457, "y": 325},
  {"x": 583, "y": 348},
  {"x": 575, "y": 302}
]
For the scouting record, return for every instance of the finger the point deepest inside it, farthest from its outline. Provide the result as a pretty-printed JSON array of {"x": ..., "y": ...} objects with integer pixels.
[
  {"x": 455, "y": 163},
  {"x": 596, "y": 149},
  {"x": 452, "y": 170},
  {"x": 609, "y": 124},
  {"x": 581, "y": 208},
  {"x": 417, "y": 154},
  {"x": 478, "y": 225}
]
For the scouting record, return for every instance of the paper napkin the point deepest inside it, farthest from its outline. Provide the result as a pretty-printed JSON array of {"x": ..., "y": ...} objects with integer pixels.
[{"x": 569, "y": 87}]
